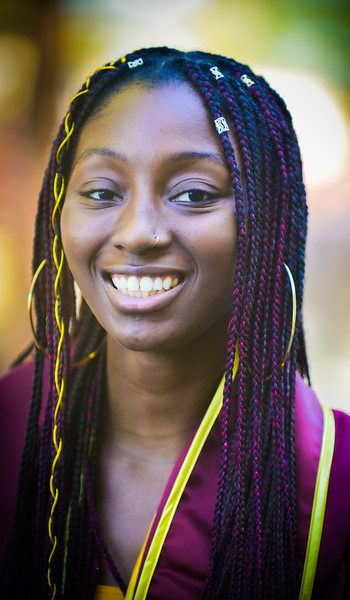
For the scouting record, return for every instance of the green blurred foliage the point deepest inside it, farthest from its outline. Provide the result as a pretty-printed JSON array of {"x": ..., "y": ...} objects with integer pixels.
[{"x": 311, "y": 34}]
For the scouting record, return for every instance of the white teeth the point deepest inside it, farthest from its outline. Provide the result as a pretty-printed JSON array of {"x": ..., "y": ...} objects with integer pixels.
[
  {"x": 132, "y": 284},
  {"x": 167, "y": 283},
  {"x": 146, "y": 284},
  {"x": 143, "y": 287},
  {"x": 122, "y": 283},
  {"x": 157, "y": 284}
]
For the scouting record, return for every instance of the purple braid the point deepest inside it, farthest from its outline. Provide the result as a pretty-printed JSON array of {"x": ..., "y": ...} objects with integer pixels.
[
  {"x": 206, "y": 90},
  {"x": 251, "y": 174}
]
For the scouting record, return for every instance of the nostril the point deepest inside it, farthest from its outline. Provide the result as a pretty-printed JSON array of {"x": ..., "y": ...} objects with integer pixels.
[{"x": 142, "y": 243}]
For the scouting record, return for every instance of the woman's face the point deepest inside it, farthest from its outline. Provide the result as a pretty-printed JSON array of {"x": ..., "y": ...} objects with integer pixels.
[{"x": 149, "y": 167}]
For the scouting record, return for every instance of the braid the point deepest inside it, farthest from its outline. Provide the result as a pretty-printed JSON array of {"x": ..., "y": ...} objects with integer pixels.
[
  {"x": 249, "y": 500},
  {"x": 254, "y": 527}
]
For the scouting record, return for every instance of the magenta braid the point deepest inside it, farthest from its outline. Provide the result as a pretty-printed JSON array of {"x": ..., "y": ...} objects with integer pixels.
[
  {"x": 206, "y": 90},
  {"x": 242, "y": 125}
]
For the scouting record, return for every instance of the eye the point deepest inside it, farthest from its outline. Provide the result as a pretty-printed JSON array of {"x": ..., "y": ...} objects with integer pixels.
[
  {"x": 107, "y": 195},
  {"x": 194, "y": 196},
  {"x": 102, "y": 195}
]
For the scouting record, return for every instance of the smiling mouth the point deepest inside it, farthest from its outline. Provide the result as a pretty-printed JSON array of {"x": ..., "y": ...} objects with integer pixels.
[{"x": 144, "y": 287}]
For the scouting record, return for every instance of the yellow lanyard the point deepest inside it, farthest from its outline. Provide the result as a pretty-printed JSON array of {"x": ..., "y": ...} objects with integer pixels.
[
  {"x": 174, "y": 498},
  {"x": 319, "y": 505}
]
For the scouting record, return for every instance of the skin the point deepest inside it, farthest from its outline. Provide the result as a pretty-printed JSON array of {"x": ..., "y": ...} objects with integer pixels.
[{"x": 150, "y": 162}]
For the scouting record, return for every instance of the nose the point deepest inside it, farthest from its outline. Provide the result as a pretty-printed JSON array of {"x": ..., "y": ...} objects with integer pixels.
[{"x": 141, "y": 226}]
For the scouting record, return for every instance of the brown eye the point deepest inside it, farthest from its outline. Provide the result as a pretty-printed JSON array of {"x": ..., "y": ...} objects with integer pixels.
[
  {"x": 194, "y": 197},
  {"x": 197, "y": 195},
  {"x": 105, "y": 195}
]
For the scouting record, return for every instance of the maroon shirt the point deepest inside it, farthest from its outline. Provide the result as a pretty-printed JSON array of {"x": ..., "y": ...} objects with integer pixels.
[{"x": 182, "y": 567}]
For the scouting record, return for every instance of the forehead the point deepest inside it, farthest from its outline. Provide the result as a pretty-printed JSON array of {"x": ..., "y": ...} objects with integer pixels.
[{"x": 168, "y": 116}]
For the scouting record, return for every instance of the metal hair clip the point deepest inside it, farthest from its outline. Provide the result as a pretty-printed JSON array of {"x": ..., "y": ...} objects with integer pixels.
[
  {"x": 216, "y": 72},
  {"x": 221, "y": 125},
  {"x": 247, "y": 80},
  {"x": 135, "y": 63}
]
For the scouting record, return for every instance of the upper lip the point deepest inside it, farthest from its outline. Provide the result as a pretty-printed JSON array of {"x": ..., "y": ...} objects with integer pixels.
[{"x": 143, "y": 270}]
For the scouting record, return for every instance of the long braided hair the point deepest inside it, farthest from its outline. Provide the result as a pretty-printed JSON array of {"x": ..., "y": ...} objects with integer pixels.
[{"x": 55, "y": 544}]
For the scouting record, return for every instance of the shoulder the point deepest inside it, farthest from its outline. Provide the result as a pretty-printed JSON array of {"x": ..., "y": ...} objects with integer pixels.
[
  {"x": 308, "y": 439},
  {"x": 15, "y": 393},
  {"x": 309, "y": 424},
  {"x": 335, "y": 542},
  {"x": 337, "y": 516},
  {"x": 15, "y": 389},
  {"x": 309, "y": 429},
  {"x": 333, "y": 569}
]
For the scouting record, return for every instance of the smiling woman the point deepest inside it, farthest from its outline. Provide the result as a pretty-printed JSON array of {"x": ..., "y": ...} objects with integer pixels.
[
  {"x": 172, "y": 448},
  {"x": 138, "y": 174}
]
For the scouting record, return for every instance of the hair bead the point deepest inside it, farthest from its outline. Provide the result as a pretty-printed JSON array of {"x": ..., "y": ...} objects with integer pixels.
[
  {"x": 247, "y": 80},
  {"x": 216, "y": 72},
  {"x": 221, "y": 125},
  {"x": 135, "y": 63}
]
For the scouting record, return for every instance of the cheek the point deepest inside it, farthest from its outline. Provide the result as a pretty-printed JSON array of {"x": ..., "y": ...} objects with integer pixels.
[
  {"x": 219, "y": 277},
  {"x": 220, "y": 249},
  {"x": 214, "y": 248},
  {"x": 80, "y": 236}
]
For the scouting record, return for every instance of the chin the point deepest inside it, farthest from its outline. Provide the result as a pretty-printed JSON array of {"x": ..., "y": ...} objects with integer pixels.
[
  {"x": 138, "y": 342},
  {"x": 138, "y": 345}
]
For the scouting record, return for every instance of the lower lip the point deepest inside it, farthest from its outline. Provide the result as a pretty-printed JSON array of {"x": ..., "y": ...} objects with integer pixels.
[{"x": 131, "y": 304}]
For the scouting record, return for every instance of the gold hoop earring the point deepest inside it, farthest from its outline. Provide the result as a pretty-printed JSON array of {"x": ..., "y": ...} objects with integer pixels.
[
  {"x": 77, "y": 363},
  {"x": 294, "y": 314},
  {"x": 294, "y": 317},
  {"x": 30, "y": 304}
]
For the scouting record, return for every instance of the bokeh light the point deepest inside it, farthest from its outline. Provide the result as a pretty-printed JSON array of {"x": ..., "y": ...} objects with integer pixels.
[
  {"x": 319, "y": 122},
  {"x": 303, "y": 49}
]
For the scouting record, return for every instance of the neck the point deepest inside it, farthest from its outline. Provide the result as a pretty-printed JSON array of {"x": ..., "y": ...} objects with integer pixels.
[{"x": 156, "y": 399}]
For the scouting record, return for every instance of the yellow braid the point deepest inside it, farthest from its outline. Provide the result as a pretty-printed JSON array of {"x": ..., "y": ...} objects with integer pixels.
[
  {"x": 58, "y": 196},
  {"x": 59, "y": 383},
  {"x": 69, "y": 132}
]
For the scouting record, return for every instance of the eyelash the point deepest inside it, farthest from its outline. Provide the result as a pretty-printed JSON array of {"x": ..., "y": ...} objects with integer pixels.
[
  {"x": 110, "y": 200},
  {"x": 205, "y": 196},
  {"x": 210, "y": 196}
]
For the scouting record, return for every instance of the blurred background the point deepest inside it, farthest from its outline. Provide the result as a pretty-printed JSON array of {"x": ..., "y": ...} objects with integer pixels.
[{"x": 47, "y": 47}]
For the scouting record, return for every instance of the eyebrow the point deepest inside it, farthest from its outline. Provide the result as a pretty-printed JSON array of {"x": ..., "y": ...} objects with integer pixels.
[
  {"x": 100, "y": 152},
  {"x": 192, "y": 156}
]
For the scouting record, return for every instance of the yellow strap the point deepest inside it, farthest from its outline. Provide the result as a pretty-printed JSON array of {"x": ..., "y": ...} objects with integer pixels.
[
  {"x": 319, "y": 504},
  {"x": 133, "y": 580},
  {"x": 108, "y": 592},
  {"x": 177, "y": 490}
]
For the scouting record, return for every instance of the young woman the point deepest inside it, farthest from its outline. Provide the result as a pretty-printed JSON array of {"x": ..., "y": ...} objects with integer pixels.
[{"x": 173, "y": 450}]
